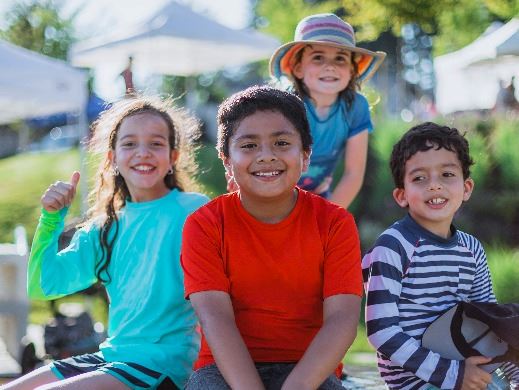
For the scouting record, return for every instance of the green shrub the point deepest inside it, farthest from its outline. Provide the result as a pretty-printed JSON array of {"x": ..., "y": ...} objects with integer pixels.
[
  {"x": 211, "y": 171},
  {"x": 504, "y": 268},
  {"x": 481, "y": 156},
  {"x": 506, "y": 155}
]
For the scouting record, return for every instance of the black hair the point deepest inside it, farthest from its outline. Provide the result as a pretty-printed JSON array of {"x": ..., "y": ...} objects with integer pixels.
[
  {"x": 426, "y": 136},
  {"x": 260, "y": 98}
]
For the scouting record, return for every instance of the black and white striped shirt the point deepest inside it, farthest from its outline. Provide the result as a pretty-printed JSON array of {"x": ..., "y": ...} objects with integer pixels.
[{"x": 411, "y": 276}]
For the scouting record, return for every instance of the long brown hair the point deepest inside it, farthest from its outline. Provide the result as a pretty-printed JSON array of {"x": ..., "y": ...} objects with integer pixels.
[
  {"x": 348, "y": 93},
  {"x": 110, "y": 192}
]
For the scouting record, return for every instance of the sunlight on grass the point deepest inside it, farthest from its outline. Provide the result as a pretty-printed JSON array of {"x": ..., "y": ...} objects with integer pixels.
[{"x": 24, "y": 178}]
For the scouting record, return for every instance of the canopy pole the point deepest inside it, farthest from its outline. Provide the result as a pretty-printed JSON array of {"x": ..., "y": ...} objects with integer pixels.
[{"x": 83, "y": 145}]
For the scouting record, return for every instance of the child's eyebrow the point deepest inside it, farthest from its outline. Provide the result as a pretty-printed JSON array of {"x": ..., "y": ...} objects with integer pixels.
[
  {"x": 256, "y": 136},
  {"x": 447, "y": 165},
  {"x": 451, "y": 165},
  {"x": 135, "y": 135}
]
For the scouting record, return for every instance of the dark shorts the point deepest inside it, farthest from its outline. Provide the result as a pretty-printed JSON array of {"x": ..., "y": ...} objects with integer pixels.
[
  {"x": 132, "y": 375},
  {"x": 272, "y": 375}
]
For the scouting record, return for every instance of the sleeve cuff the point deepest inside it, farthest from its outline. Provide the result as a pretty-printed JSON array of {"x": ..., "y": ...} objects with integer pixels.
[
  {"x": 461, "y": 373},
  {"x": 53, "y": 216}
]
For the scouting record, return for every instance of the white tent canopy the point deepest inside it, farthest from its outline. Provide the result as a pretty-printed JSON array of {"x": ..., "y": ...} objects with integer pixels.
[
  {"x": 176, "y": 41},
  {"x": 468, "y": 79},
  {"x": 34, "y": 85}
]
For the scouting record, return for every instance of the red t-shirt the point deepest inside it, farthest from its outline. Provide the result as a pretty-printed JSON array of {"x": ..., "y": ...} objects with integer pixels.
[{"x": 277, "y": 275}]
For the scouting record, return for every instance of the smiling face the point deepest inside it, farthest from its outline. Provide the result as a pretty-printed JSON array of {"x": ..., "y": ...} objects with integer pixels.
[
  {"x": 325, "y": 70},
  {"x": 143, "y": 155},
  {"x": 266, "y": 157},
  {"x": 434, "y": 189}
]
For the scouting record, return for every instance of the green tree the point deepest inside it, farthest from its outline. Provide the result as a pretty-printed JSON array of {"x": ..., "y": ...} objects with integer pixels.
[
  {"x": 39, "y": 26},
  {"x": 280, "y": 17},
  {"x": 504, "y": 8},
  {"x": 453, "y": 23}
]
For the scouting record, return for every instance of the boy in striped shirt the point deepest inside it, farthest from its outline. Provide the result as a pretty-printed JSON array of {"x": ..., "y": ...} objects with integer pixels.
[{"x": 422, "y": 265}]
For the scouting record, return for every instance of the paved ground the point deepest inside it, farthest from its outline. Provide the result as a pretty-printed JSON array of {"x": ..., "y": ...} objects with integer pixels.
[{"x": 362, "y": 377}]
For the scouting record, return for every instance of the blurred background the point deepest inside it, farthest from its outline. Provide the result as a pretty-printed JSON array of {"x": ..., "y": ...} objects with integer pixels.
[{"x": 63, "y": 62}]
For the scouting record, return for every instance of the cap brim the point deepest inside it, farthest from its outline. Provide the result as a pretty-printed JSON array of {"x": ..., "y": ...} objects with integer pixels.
[
  {"x": 281, "y": 62},
  {"x": 501, "y": 317},
  {"x": 438, "y": 338}
]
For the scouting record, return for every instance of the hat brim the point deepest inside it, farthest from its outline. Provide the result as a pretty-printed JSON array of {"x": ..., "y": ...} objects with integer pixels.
[
  {"x": 282, "y": 61},
  {"x": 438, "y": 337}
]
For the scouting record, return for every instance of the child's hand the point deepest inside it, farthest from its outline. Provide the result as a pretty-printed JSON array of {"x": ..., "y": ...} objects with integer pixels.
[
  {"x": 475, "y": 378},
  {"x": 60, "y": 194}
]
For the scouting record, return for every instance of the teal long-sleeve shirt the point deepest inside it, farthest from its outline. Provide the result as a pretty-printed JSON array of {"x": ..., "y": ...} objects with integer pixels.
[{"x": 149, "y": 321}]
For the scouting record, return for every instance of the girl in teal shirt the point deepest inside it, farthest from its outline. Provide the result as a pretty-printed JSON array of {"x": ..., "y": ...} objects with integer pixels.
[{"x": 131, "y": 243}]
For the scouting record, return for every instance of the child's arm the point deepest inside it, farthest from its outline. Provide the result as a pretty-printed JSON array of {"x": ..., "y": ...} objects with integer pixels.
[
  {"x": 215, "y": 312},
  {"x": 341, "y": 316},
  {"x": 52, "y": 274},
  {"x": 481, "y": 290},
  {"x": 355, "y": 157},
  {"x": 383, "y": 268}
]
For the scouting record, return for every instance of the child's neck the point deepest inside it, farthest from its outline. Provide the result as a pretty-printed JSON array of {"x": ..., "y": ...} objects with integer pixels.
[
  {"x": 270, "y": 210},
  {"x": 148, "y": 196},
  {"x": 323, "y": 104}
]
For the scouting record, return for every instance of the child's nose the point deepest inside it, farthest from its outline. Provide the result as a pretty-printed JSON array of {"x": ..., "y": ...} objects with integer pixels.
[
  {"x": 435, "y": 184},
  {"x": 266, "y": 154},
  {"x": 143, "y": 150},
  {"x": 329, "y": 63}
]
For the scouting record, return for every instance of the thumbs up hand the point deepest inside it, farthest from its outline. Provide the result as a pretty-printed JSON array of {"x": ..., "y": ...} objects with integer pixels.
[{"x": 60, "y": 194}]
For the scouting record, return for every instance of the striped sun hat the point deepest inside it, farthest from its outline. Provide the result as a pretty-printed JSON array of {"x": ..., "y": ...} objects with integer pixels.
[{"x": 326, "y": 29}]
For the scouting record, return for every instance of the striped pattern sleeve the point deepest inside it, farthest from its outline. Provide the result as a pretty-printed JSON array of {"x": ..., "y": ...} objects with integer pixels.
[
  {"x": 481, "y": 290},
  {"x": 403, "y": 363}
]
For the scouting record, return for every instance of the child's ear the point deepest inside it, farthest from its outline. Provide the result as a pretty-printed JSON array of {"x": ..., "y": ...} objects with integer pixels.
[
  {"x": 225, "y": 161},
  {"x": 306, "y": 159},
  {"x": 298, "y": 70},
  {"x": 111, "y": 157},
  {"x": 468, "y": 187},
  {"x": 173, "y": 156},
  {"x": 400, "y": 197}
]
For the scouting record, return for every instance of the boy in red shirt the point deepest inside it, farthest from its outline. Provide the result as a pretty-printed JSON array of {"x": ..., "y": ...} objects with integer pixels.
[{"x": 272, "y": 271}]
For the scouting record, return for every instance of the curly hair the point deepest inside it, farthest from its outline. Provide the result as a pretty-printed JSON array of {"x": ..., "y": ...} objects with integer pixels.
[
  {"x": 260, "y": 98},
  {"x": 111, "y": 192},
  {"x": 424, "y": 137}
]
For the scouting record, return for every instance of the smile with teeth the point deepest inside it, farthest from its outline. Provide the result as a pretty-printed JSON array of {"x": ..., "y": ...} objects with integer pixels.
[
  {"x": 267, "y": 174},
  {"x": 143, "y": 168},
  {"x": 437, "y": 201}
]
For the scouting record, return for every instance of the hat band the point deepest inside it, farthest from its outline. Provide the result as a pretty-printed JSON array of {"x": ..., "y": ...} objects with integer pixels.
[{"x": 328, "y": 35}]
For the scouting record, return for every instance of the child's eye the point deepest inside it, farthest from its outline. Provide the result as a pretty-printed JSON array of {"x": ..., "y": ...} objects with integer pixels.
[
  {"x": 317, "y": 57},
  {"x": 418, "y": 178},
  {"x": 158, "y": 144},
  {"x": 248, "y": 146},
  {"x": 448, "y": 174},
  {"x": 128, "y": 144},
  {"x": 282, "y": 143}
]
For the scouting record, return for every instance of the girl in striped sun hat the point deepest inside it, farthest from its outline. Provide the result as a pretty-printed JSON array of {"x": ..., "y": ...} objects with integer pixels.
[{"x": 325, "y": 68}]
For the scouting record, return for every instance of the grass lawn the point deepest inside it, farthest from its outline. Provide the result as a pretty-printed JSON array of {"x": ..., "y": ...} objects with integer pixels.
[{"x": 24, "y": 178}]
